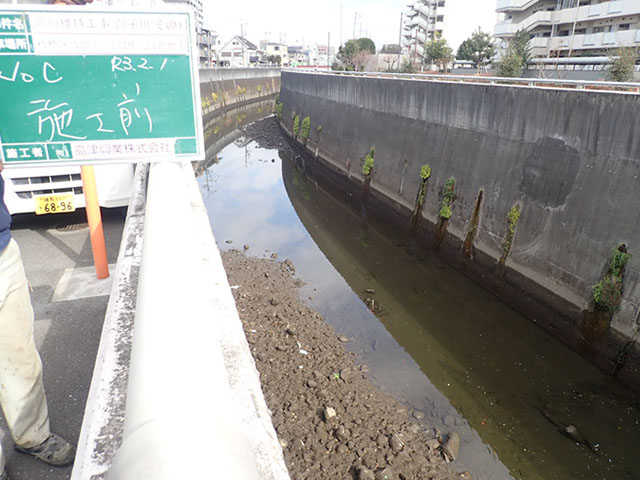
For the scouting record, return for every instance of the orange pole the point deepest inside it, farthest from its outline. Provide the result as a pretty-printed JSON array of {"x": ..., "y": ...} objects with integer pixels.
[{"x": 95, "y": 222}]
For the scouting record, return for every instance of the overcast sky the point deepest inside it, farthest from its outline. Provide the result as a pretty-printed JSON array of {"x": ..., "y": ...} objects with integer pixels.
[{"x": 297, "y": 21}]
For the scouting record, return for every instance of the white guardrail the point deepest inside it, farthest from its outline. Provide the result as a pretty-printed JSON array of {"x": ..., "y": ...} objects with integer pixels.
[
  {"x": 590, "y": 86},
  {"x": 194, "y": 404}
]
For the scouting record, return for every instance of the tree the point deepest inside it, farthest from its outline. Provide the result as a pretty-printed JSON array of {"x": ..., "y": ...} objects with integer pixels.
[
  {"x": 366, "y": 44},
  {"x": 478, "y": 48},
  {"x": 407, "y": 67},
  {"x": 510, "y": 64},
  {"x": 520, "y": 45},
  {"x": 438, "y": 52},
  {"x": 391, "y": 48},
  {"x": 353, "y": 55},
  {"x": 623, "y": 66},
  {"x": 274, "y": 59},
  {"x": 516, "y": 57}
]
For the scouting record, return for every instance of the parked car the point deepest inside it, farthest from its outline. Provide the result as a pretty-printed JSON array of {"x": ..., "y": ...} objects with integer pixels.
[{"x": 25, "y": 185}]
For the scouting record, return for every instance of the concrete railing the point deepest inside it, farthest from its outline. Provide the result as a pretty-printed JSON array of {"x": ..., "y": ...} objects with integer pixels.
[
  {"x": 193, "y": 400},
  {"x": 179, "y": 402},
  {"x": 194, "y": 404}
]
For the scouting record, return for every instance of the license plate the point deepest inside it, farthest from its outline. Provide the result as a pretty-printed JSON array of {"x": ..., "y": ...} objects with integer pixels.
[{"x": 61, "y": 203}]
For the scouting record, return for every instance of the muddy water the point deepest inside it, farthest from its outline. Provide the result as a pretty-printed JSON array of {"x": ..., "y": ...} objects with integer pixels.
[{"x": 437, "y": 341}]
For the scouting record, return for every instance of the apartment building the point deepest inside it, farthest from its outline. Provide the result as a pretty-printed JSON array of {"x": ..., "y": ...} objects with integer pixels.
[
  {"x": 195, "y": 5},
  {"x": 571, "y": 28},
  {"x": 453, "y": 20},
  {"x": 422, "y": 21}
]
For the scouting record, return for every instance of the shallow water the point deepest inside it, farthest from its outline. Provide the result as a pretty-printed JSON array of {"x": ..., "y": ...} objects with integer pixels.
[{"x": 439, "y": 342}]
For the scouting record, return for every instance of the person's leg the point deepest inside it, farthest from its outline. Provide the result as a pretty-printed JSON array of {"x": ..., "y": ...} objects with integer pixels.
[
  {"x": 21, "y": 388},
  {"x": 2, "y": 461}
]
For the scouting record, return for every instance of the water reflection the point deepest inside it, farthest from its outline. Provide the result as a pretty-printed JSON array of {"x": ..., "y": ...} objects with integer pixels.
[{"x": 515, "y": 385}]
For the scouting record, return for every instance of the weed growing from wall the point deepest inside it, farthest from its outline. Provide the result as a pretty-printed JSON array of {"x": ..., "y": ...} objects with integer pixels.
[
  {"x": 425, "y": 173},
  {"x": 368, "y": 163},
  {"x": 512, "y": 222},
  {"x": 319, "y": 129},
  {"x": 607, "y": 293},
  {"x": 448, "y": 195},
  {"x": 279, "y": 106},
  {"x": 306, "y": 127},
  {"x": 296, "y": 126}
]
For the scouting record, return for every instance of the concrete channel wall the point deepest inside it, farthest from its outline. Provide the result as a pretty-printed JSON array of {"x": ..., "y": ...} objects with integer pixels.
[
  {"x": 569, "y": 160},
  {"x": 221, "y": 88}
]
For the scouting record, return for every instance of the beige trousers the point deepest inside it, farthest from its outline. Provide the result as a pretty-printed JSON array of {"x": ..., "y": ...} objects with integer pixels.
[{"x": 21, "y": 388}]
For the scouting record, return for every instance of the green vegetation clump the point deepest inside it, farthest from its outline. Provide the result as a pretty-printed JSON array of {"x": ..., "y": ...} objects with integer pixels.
[
  {"x": 438, "y": 52},
  {"x": 478, "y": 48},
  {"x": 319, "y": 128},
  {"x": 513, "y": 217},
  {"x": 296, "y": 125},
  {"x": 512, "y": 221},
  {"x": 448, "y": 195},
  {"x": 623, "y": 66},
  {"x": 607, "y": 293},
  {"x": 279, "y": 106},
  {"x": 368, "y": 163},
  {"x": 516, "y": 57},
  {"x": 306, "y": 126},
  {"x": 425, "y": 172}
]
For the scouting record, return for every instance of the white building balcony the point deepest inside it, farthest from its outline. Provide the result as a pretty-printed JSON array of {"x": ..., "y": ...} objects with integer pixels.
[
  {"x": 610, "y": 40},
  {"x": 417, "y": 22},
  {"x": 508, "y": 28},
  {"x": 506, "y": 5},
  {"x": 598, "y": 11}
]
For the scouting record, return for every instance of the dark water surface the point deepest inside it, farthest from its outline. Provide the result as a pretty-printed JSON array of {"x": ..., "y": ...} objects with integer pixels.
[{"x": 439, "y": 342}]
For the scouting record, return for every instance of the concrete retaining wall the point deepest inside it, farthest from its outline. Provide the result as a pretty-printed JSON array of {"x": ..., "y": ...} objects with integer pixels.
[
  {"x": 224, "y": 87},
  {"x": 570, "y": 160}
]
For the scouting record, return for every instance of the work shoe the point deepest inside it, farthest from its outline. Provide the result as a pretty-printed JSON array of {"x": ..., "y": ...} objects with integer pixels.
[{"x": 54, "y": 451}]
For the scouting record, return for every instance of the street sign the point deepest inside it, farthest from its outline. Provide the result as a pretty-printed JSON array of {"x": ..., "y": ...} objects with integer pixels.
[{"x": 81, "y": 85}]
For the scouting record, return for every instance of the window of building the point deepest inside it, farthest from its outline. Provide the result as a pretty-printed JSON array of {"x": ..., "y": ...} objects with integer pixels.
[
  {"x": 624, "y": 26},
  {"x": 440, "y": 18},
  {"x": 598, "y": 29},
  {"x": 563, "y": 33}
]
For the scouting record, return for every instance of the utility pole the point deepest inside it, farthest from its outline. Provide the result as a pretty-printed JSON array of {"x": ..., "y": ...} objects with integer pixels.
[
  {"x": 242, "y": 43},
  {"x": 400, "y": 41},
  {"x": 355, "y": 21},
  {"x": 340, "y": 23},
  {"x": 328, "y": 51},
  {"x": 573, "y": 31}
]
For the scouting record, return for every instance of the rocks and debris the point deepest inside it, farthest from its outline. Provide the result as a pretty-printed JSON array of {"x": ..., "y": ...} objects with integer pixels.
[
  {"x": 375, "y": 307},
  {"x": 569, "y": 431},
  {"x": 451, "y": 448},
  {"x": 331, "y": 421}
]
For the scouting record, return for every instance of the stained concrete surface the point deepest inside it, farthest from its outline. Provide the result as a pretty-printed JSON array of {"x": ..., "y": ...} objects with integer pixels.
[{"x": 67, "y": 331}]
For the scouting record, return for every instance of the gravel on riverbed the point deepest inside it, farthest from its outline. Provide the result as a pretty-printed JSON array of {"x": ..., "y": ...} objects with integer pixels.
[{"x": 331, "y": 421}]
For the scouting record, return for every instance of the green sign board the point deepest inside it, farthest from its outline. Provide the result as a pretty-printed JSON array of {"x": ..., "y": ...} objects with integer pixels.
[{"x": 81, "y": 85}]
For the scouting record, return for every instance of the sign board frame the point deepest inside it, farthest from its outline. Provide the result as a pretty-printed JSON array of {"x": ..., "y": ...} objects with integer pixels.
[{"x": 88, "y": 85}]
